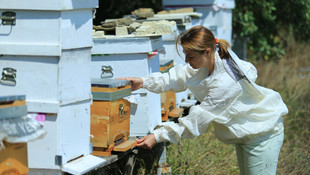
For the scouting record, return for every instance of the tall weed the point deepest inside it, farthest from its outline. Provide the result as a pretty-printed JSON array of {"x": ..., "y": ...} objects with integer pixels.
[{"x": 291, "y": 77}]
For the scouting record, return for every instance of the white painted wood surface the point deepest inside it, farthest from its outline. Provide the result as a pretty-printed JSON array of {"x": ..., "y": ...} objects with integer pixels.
[
  {"x": 127, "y": 45},
  {"x": 68, "y": 136},
  {"x": 83, "y": 165},
  {"x": 46, "y": 32},
  {"x": 48, "y": 4},
  {"x": 49, "y": 82},
  {"x": 146, "y": 114},
  {"x": 195, "y": 3}
]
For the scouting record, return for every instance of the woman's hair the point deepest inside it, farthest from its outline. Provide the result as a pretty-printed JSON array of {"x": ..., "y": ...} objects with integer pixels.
[{"x": 199, "y": 38}]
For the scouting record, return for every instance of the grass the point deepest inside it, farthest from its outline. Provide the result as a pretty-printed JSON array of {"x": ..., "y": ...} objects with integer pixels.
[
  {"x": 202, "y": 155},
  {"x": 292, "y": 80},
  {"x": 206, "y": 155}
]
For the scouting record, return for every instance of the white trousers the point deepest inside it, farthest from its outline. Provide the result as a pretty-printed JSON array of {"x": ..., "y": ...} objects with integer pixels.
[{"x": 259, "y": 158}]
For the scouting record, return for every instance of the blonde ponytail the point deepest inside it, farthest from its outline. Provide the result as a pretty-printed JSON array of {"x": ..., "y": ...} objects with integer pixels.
[{"x": 223, "y": 45}]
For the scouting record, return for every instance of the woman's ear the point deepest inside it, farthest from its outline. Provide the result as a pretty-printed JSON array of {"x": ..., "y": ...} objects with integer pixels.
[{"x": 208, "y": 51}]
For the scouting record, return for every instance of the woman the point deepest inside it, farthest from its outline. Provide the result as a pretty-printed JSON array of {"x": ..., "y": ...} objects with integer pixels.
[{"x": 242, "y": 113}]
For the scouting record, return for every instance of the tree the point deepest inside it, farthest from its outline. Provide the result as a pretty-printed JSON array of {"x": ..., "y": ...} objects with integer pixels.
[
  {"x": 260, "y": 21},
  {"x": 118, "y": 8}
]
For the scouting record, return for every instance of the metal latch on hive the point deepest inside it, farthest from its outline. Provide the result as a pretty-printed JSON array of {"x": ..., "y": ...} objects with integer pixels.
[
  {"x": 107, "y": 72},
  {"x": 8, "y": 18},
  {"x": 8, "y": 76}
]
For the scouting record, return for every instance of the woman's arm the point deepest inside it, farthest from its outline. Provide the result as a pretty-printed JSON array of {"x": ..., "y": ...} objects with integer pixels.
[
  {"x": 157, "y": 82},
  {"x": 195, "y": 124},
  {"x": 190, "y": 126},
  {"x": 173, "y": 80},
  {"x": 136, "y": 83},
  {"x": 220, "y": 95}
]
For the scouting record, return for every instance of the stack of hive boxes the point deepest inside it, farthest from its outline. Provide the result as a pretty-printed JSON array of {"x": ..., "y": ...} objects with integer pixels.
[
  {"x": 45, "y": 49},
  {"x": 131, "y": 56},
  {"x": 216, "y": 14}
]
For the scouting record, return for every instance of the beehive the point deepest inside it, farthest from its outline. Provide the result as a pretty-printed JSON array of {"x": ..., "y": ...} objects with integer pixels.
[
  {"x": 216, "y": 15},
  {"x": 110, "y": 115},
  {"x": 131, "y": 57},
  {"x": 168, "y": 98},
  {"x": 51, "y": 66}
]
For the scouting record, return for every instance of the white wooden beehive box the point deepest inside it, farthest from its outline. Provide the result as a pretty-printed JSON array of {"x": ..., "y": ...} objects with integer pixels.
[
  {"x": 67, "y": 138},
  {"x": 48, "y": 81},
  {"x": 131, "y": 57},
  {"x": 45, "y": 49},
  {"x": 41, "y": 27},
  {"x": 216, "y": 15},
  {"x": 48, "y": 4}
]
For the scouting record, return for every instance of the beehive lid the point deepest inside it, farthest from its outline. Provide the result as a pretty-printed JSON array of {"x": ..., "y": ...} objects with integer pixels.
[
  {"x": 4, "y": 99},
  {"x": 109, "y": 83},
  {"x": 127, "y": 45},
  {"x": 165, "y": 65},
  {"x": 12, "y": 106},
  {"x": 48, "y": 4},
  {"x": 165, "y": 62},
  {"x": 110, "y": 89}
]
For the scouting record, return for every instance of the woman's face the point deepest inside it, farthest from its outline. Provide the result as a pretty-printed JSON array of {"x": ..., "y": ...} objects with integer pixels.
[{"x": 196, "y": 59}]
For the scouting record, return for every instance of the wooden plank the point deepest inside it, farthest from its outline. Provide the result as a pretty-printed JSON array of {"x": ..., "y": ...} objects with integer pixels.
[
  {"x": 166, "y": 68},
  {"x": 104, "y": 89},
  {"x": 12, "y": 104},
  {"x": 99, "y": 151},
  {"x": 176, "y": 112},
  {"x": 124, "y": 146}
]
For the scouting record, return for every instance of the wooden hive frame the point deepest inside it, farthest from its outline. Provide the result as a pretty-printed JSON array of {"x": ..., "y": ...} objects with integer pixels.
[{"x": 168, "y": 99}]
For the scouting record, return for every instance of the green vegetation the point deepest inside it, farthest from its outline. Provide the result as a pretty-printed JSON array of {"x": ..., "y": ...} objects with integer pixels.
[
  {"x": 118, "y": 8},
  {"x": 260, "y": 22},
  {"x": 291, "y": 77},
  {"x": 202, "y": 155}
]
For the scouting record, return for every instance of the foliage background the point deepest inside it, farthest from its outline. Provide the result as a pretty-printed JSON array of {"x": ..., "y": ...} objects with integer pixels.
[
  {"x": 109, "y": 9},
  {"x": 262, "y": 22}
]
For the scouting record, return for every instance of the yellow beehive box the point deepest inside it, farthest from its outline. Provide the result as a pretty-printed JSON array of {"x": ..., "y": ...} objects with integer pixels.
[
  {"x": 13, "y": 156},
  {"x": 13, "y": 159},
  {"x": 110, "y": 115}
]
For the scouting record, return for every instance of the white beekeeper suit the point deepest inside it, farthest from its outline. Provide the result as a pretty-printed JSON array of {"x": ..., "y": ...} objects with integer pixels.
[
  {"x": 241, "y": 111},
  {"x": 239, "y": 114}
]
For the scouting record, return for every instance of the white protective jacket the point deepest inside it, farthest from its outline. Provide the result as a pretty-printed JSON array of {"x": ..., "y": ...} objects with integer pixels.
[{"x": 238, "y": 113}]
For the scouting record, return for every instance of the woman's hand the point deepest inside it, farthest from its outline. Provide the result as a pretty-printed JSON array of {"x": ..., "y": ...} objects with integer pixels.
[
  {"x": 136, "y": 83},
  {"x": 147, "y": 142}
]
